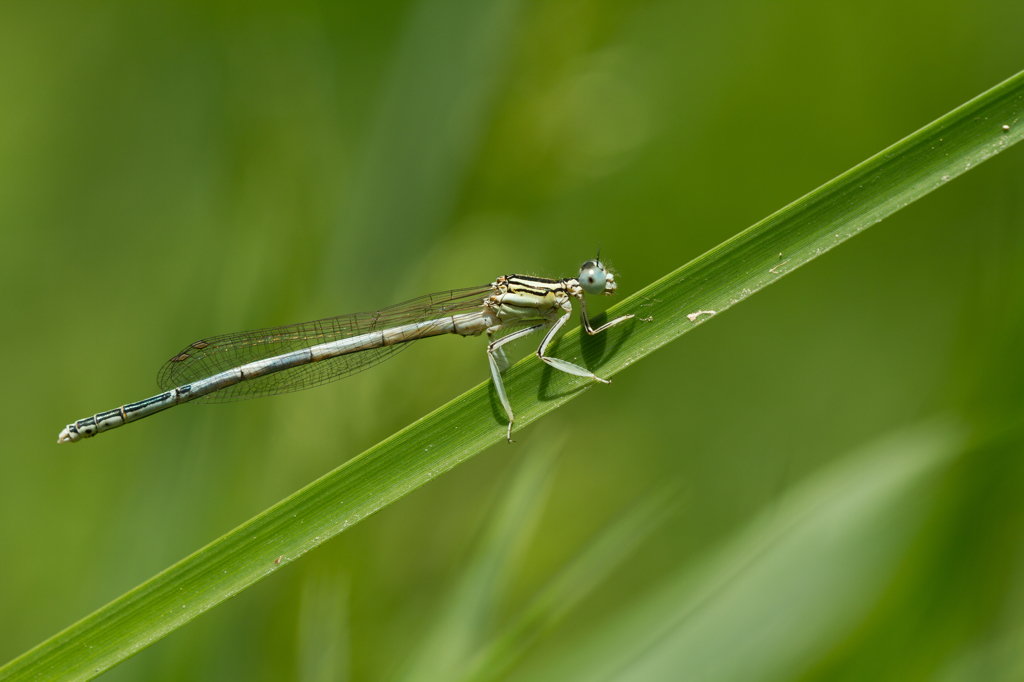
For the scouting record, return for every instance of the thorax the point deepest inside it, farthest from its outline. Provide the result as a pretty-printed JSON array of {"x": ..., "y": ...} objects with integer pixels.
[{"x": 522, "y": 297}]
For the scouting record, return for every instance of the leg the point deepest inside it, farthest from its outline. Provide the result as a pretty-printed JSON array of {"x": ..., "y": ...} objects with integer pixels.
[
  {"x": 562, "y": 365},
  {"x": 586, "y": 321},
  {"x": 499, "y": 353},
  {"x": 499, "y": 363}
]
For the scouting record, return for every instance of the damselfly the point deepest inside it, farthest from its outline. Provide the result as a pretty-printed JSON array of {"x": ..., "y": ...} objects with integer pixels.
[{"x": 282, "y": 359}]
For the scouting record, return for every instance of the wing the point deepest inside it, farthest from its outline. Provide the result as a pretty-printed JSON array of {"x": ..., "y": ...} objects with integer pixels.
[{"x": 215, "y": 354}]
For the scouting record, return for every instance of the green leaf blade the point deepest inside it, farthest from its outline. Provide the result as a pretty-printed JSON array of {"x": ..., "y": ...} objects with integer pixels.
[{"x": 822, "y": 219}]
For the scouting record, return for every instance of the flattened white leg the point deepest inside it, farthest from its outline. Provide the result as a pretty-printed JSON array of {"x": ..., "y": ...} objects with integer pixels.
[
  {"x": 499, "y": 352},
  {"x": 497, "y": 358},
  {"x": 586, "y": 321},
  {"x": 562, "y": 365}
]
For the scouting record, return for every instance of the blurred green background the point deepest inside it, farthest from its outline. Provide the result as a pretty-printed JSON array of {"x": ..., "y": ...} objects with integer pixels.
[{"x": 171, "y": 171}]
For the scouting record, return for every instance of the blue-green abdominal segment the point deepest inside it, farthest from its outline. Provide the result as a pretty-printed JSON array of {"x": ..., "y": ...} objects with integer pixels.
[{"x": 294, "y": 357}]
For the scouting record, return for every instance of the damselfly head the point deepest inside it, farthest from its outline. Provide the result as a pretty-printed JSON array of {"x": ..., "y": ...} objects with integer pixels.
[{"x": 595, "y": 279}]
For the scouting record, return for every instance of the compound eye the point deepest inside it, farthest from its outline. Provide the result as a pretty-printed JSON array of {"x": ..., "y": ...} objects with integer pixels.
[{"x": 593, "y": 277}]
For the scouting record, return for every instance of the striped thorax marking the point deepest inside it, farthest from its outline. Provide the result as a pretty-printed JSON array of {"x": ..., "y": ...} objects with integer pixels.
[{"x": 523, "y": 298}]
